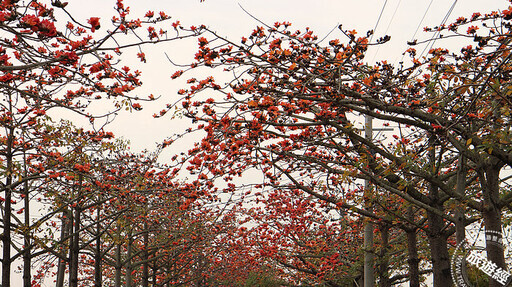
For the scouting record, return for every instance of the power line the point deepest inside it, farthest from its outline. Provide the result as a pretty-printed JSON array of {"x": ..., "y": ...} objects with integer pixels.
[
  {"x": 418, "y": 27},
  {"x": 334, "y": 28},
  {"x": 421, "y": 21},
  {"x": 378, "y": 20},
  {"x": 393, "y": 17},
  {"x": 387, "y": 28},
  {"x": 436, "y": 34}
]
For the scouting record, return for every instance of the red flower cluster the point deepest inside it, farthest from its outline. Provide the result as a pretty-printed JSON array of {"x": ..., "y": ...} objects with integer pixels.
[{"x": 95, "y": 23}]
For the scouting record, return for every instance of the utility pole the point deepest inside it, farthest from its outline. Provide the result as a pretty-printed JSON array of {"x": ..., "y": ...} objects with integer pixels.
[
  {"x": 369, "y": 278},
  {"x": 369, "y": 255}
]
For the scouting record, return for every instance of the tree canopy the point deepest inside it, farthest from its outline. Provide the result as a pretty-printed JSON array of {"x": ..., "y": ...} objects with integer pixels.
[
  {"x": 303, "y": 150},
  {"x": 293, "y": 111}
]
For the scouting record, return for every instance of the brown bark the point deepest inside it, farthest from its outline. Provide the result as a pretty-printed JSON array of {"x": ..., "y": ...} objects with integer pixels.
[
  {"x": 439, "y": 251},
  {"x": 412, "y": 252},
  {"x": 384, "y": 280},
  {"x": 27, "y": 265},
  {"x": 6, "y": 237},
  {"x": 97, "y": 255},
  {"x": 145, "y": 266},
  {"x": 155, "y": 270},
  {"x": 460, "y": 225},
  {"x": 129, "y": 267},
  {"x": 413, "y": 260},
  {"x": 489, "y": 179},
  {"x": 117, "y": 282},
  {"x": 74, "y": 250},
  {"x": 437, "y": 238},
  {"x": 64, "y": 233},
  {"x": 75, "y": 238}
]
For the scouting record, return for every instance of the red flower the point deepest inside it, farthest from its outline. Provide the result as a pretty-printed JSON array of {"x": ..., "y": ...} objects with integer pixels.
[
  {"x": 177, "y": 74},
  {"x": 472, "y": 29},
  {"x": 163, "y": 16},
  {"x": 47, "y": 28},
  {"x": 95, "y": 23},
  {"x": 142, "y": 57},
  {"x": 67, "y": 57},
  {"x": 6, "y": 78},
  {"x": 31, "y": 21},
  {"x": 54, "y": 71},
  {"x": 202, "y": 41},
  {"x": 507, "y": 14},
  {"x": 40, "y": 112}
]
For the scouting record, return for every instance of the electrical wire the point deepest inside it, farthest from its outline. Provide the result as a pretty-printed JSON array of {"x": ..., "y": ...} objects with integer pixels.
[
  {"x": 387, "y": 28},
  {"x": 432, "y": 40},
  {"x": 337, "y": 25},
  {"x": 421, "y": 21},
  {"x": 393, "y": 17},
  {"x": 378, "y": 20},
  {"x": 418, "y": 27}
]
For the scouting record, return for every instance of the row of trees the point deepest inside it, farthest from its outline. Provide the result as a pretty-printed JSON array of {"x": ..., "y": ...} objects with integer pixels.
[
  {"x": 78, "y": 207},
  {"x": 293, "y": 114}
]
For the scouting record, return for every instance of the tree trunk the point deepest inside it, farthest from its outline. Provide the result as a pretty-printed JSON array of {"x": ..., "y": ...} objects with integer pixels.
[
  {"x": 97, "y": 256},
  {"x": 412, "y": 250},
  {"x": 155, "y": 272},
  {"x": 74, "y": 251},
  {"x": 460, "y": 224},
  {"x": 27, "y": 265},
  {"x": 145, "y": 259},
  {"x": 438, "y": 240},
  {"x": 75, "y": 238},
  {"x": 439, "y": 251},
  {"x": 384, "y": 261},
  {"x": 64, "y": 233},
  {"x": 119, "y": 264},
  {"x": 368, "y": 255},
  {"x": 369, "y": 277},
  {"x": 6, "y": 237},
  {"x": 129, "y": 268},
  {"x": 492, "y": 217}
]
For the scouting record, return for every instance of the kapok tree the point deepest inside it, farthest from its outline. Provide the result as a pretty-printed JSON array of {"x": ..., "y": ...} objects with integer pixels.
[
  {"x": 152, "y": 238},
  {"x": 291, "y": 111},
  {"x": 297, "y": 135},
  {"x": 69, "y": 191},
  {"x": 111, "y": 216},
  {"x": 50, "y": 63}
]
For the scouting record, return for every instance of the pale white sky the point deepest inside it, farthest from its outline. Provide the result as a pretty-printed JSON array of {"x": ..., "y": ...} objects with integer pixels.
[{"x": 400, "y": 19}]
